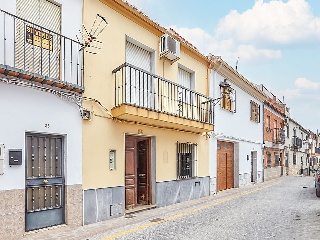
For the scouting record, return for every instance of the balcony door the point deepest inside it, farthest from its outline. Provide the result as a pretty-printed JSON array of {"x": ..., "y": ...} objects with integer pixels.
[
  {"x": 37, "y": 46},
  {"x": 185, "y": 97},
  {"x": 139, "y": 82}
]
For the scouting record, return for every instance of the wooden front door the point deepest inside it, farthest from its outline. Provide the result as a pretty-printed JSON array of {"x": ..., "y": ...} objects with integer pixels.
[
  {"x": 137, "y": 178},
  {"x": 225, "y": 167}
]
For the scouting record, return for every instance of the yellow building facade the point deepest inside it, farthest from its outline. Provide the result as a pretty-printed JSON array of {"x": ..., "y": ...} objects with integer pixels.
[{"x": 147, "y": 116}]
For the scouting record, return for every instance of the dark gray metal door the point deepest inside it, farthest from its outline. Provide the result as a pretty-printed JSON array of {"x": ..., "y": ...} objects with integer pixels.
[
  {"x": 44, "y": 181},
  {"x": 254, "y": 169}
]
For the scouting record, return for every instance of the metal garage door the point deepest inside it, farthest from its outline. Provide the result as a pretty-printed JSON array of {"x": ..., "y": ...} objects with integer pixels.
[{"x": 225, "y": 165}]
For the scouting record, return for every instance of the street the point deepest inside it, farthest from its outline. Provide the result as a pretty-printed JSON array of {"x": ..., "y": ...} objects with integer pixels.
[{"x": 285, "y": 208}]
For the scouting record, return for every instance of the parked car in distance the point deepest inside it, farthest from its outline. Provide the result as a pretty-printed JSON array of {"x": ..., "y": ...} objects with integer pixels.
[{"x": 317, "y": 181}]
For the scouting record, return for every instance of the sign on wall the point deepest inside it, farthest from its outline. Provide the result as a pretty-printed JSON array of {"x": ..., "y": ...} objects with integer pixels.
[{"x": 39, "y": 38}]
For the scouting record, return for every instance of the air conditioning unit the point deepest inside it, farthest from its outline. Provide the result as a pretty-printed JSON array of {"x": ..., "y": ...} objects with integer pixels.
[
  {"x": 169, "y": 48},
  {"x": 86, "y": 115}
]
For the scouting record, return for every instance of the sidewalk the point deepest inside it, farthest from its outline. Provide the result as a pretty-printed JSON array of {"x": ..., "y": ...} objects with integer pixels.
[{"x": 143, "y": 219}]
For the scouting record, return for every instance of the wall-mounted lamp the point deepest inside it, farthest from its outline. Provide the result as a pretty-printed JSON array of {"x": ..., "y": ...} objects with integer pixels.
[{"x": 223, "y": 84}]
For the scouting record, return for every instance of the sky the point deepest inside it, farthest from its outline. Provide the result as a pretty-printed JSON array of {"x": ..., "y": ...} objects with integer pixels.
[{"x": 277, "y": 43}]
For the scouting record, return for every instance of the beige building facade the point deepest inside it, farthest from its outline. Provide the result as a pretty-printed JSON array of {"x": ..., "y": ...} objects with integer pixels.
[{"x": 144, "y": 142}]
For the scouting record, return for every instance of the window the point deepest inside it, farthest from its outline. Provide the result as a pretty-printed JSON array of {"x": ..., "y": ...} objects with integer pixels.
[
  {"x": 294, "y": 159},
  {"x": 275, "y": 123},
  {"x": 287, "y": 131},
  {"x": 185, "y": 79},
  {"x": 228, "y": 99},
  {"x": 268, "y": 124},
  {"x": 186, "y": 154},
  {"x": 139, "y": 84},
  {"x": 255, "y": 112}
]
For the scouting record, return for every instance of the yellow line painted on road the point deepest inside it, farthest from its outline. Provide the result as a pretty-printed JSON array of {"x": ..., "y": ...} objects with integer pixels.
[{"x": 174, "y": 217}]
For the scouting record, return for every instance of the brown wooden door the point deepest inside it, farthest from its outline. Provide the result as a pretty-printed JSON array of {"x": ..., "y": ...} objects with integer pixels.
[
  {"x": 143, "y": 172},
  {"x": 225, "y": 165},
  {"x": 130, "y": 177},
  {"x": 137, "y": 178}
]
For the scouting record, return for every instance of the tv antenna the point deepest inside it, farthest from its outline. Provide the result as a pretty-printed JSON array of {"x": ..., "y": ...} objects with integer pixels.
[
  {"x": 237, "y": 62},
  {"x": 89, "y": 42}
]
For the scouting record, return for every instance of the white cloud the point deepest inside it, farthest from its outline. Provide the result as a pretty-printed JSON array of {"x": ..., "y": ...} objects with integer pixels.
[
  {"x": 275, "y": 21},
  {"x": 291, "y": 93},
  {"x": 304, "y": 83},
  {"x": 226, "y": 48}
]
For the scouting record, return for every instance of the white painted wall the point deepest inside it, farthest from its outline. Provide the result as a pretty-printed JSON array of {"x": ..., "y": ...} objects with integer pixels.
[
  {"x": 28, "y": 110},
  {"x": 236, "y": 127}
]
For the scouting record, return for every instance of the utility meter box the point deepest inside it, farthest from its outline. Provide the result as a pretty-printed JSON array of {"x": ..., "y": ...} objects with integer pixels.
[{"x": 15, "y": 156}]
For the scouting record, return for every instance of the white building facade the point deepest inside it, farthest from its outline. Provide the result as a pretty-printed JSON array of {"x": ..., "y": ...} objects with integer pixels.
[
  {"x": 41, "y": 133},
  {"x": 236, "y": 145}
]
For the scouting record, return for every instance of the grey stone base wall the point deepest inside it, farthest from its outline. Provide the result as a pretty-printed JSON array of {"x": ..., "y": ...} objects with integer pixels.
[
  {"x": 245, "y": 178},
  {"x": 273, "y": 172},
  {"x": 103, "y": 204},
  {"x": 12, "y": 215},
  {"x": 74, "y": 205},
  {"x": 171, "y": 192},
  {"x": 260, "y": 177},
  {"x": 213, "y": 186}
]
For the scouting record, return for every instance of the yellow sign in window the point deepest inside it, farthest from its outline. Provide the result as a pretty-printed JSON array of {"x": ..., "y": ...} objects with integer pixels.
[{"x": 39, "y": 38}]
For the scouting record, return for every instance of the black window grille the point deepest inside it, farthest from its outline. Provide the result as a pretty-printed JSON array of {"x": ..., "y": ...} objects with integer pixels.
[{"x": 187, "y": 160}]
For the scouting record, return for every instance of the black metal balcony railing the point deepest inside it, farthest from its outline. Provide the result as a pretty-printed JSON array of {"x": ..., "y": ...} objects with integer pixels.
[
  {"x": 134, "y": 86},
  {"x": 34, "y": 49},
  {"x": 296, "y": 142},
  {"x": 279, "y": 136}
]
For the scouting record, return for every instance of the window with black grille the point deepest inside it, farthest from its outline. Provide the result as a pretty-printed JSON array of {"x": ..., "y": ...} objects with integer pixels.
[{"x": 187, "y": 160}]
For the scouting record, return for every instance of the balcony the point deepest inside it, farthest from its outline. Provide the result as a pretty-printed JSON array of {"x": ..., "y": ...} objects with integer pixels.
[
  {"x": 279, "y": 136},
  {"x": 148, "y": 99},
  {"x": 296, "y": 142},
  {"x": 37, "y": 56}
]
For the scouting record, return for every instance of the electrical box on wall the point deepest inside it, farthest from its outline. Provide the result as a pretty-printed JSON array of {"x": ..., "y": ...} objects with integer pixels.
[
  {"x": 15, "y": 156},
  {"x": 1, "y": 158},
  {"x": 112, "y": 159}
]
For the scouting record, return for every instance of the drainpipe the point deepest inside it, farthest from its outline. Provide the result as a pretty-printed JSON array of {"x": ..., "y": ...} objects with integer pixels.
[{"x": 262, "y": 141}]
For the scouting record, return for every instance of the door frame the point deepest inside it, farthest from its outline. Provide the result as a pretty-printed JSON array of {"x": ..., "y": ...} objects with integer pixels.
[
  {"x": 233, "y": 165},
  {"x": 254, "y": 165},
  {"x": 151, "y": 165},
  {"x": 63, "y": 172}
]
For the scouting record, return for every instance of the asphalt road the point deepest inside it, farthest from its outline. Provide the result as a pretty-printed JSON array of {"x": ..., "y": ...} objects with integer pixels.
[{"x": 280, "y": 209}]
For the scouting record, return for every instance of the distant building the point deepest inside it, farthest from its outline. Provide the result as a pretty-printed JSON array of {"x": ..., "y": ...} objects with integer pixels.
[{"x": 274, "y": 116}]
